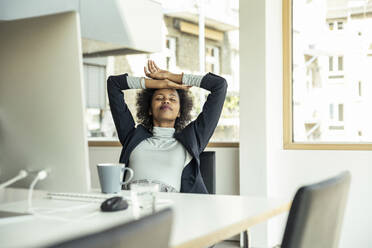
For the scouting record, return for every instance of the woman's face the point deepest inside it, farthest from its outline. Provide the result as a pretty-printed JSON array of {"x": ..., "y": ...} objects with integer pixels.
[{"x": 165, "y": 105}]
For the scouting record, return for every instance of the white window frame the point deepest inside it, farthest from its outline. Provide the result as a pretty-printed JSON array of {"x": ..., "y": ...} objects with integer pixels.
[
  {"x": 360, "y": 89},
  {"x": 335, "y": 120},
  {"x": 171, "y": 53},
  {"x": 214, "y": 60},
  {"x": 336, "y": 73},
  {"x": 342, "y": 25},
  {"x": 102, "y": 92},
  {"x": 336, "y": 26}
]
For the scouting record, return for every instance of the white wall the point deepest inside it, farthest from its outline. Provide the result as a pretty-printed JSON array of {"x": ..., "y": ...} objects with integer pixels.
[
  {"x": 253, "y": 144},
  {"x": 281, "y": 172},
  {"x": 227, "y": 166}
]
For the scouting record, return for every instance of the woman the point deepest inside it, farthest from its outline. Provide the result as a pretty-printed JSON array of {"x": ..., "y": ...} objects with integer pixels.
[{"x": 161, "y": 148}]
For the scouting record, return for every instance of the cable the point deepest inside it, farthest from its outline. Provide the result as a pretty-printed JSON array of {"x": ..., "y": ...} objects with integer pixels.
[
  {"x": 41, "y": 175},
  {"x": 21, "y": 174}
]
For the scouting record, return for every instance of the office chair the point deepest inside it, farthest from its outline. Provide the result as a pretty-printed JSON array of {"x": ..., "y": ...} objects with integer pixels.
[
  {"x": 208, "y": 170},
  {"x": 150, "y": 231},
  {"x": 316, "y": 215}
]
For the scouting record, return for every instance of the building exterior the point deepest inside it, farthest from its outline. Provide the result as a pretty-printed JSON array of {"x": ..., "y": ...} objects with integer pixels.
[{"x": 332, "y": 74}]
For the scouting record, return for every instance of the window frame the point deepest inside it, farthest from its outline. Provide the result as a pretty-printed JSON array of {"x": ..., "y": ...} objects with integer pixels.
[
  {"x": 90, "y": 64},
  {"x": 214, "y": 59},
  {"x": 171, "y": 52},
  {"x": 288, "y": 141}
]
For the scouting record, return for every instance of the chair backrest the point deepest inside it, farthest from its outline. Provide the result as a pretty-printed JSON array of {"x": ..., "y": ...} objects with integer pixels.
[
  {"x": 316, "y": 214},
  {"x": 149, "y": 231},
  {"x": 208, "y": 170}
]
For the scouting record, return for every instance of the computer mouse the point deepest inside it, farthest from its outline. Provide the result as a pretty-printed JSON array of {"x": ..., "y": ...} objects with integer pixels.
[{"x": 115, "y": 203}]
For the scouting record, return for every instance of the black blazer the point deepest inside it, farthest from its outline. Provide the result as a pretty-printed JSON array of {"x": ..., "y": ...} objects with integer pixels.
[{"x": 194, "y": 137}]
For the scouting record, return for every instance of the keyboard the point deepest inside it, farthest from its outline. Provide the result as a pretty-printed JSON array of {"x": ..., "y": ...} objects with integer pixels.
[
  {"x": 96, "y": 197},
  {"x": 80, "y": 196}
]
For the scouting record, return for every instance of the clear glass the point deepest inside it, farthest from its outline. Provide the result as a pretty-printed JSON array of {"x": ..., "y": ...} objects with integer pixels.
[
  {"x": 331, "y": 75},
  {"x": 143, "y": 196},
  {"x": 180, "y": 53}
]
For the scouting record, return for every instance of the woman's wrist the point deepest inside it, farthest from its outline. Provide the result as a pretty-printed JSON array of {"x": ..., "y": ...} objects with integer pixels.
[
  {"x": 177, "y": 78},
  {"x": 155, "y": 83}
]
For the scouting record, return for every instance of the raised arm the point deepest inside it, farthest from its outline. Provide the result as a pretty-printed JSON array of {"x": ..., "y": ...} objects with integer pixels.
[
  {"x": 123, "y": 118},
  {"x": 206, "y": 122},
  {"x": 203, "y": 127}
]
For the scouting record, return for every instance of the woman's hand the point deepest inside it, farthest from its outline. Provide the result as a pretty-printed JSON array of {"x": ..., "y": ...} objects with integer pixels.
[
  {"x": 162, "y": 79},
  {"x": 164, "y": 84},
  {"x": 154, "y": 72}
]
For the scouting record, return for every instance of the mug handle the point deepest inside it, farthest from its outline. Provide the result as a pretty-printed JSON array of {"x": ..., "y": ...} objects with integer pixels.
[{"x": 130, "y": 176}]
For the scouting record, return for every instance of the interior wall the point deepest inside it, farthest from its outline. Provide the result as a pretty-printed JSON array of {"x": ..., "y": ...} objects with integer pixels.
[
  {"x": 283, "y": 171},
  {"x": 253, "y": 145}
]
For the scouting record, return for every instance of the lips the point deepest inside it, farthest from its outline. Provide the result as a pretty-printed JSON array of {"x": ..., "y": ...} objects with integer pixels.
[{"x": 165, "y": 107}]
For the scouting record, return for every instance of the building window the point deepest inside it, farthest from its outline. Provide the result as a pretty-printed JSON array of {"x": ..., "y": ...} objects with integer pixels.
[
  {"x": 360, "y": 88},
  {"x": 330, "y": 26},
  {"x": 340, "y": 112},
  {"x": 336, "y": 62},
  {"x": 340, "y": 63},
  {"x": 95, "y": 87},
  {"x": 331, "y": 111},
  {"x": 330, "y": 64},
  {"x": 336, "y": 112},
  {"x": 336, "y": 67},
  {"x": 336, "y": 116},
  {"x": 333, "y": 24},
  {"x": 95, "y": 97},
  {"x": 212, "y": 59},
  {"x": 170, "y": 53}
]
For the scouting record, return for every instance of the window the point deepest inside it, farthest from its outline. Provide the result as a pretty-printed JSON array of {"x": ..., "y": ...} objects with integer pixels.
[
  {"x": 340, "y": 64},
  {"x": 336, "y": 112},
  {"x": 336, "y": 67},
  {"x": 95, "y": 97},
  {"x": 332, "y": 115},
  {"x": 94, "y": 79},
  {"x": 359, "y": 88},
  {"x": 170, "y": 53},
  {"x": 330, "y": 66},
  {"x": 212, "y": 59},
  {"x": 332, "y": 24},
  {"x": 180, "y": 53}
]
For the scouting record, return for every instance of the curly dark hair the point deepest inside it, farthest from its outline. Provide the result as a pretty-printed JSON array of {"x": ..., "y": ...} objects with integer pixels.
[{"x": 143, "y": 104}]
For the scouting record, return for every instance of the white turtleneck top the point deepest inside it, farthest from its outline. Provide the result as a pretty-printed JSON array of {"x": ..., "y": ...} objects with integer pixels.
[{"x": 160, "y": 158}]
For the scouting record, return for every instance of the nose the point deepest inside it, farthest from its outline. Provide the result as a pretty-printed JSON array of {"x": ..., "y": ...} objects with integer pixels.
[{"x": 166, "y": 100}]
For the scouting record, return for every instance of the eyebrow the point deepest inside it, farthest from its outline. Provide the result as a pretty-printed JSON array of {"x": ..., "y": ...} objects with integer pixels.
[{"x": 171, "y": 94}]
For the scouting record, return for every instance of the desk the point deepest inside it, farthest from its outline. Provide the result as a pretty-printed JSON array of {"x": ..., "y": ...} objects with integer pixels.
[{"x": 199, "y": 220}]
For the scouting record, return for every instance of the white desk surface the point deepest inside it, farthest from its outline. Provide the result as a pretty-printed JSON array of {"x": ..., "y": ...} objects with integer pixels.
[{"x": 199, "y": 220}]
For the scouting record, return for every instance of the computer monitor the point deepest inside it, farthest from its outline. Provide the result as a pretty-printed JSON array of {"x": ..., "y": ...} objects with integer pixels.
[{"x": 42, "y": 102}]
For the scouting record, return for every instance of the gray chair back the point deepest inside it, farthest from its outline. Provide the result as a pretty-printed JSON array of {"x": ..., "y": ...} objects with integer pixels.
[
  {"x": 208, "y": 170},
  {"x": 316, "y": 215},
  {"x": 150, "y": 231}
]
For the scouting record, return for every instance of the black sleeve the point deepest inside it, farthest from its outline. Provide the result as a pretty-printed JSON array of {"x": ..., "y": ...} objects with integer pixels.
[
  {"x": 123, "y": 118},
  {"x": 206, "y": 122}
]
